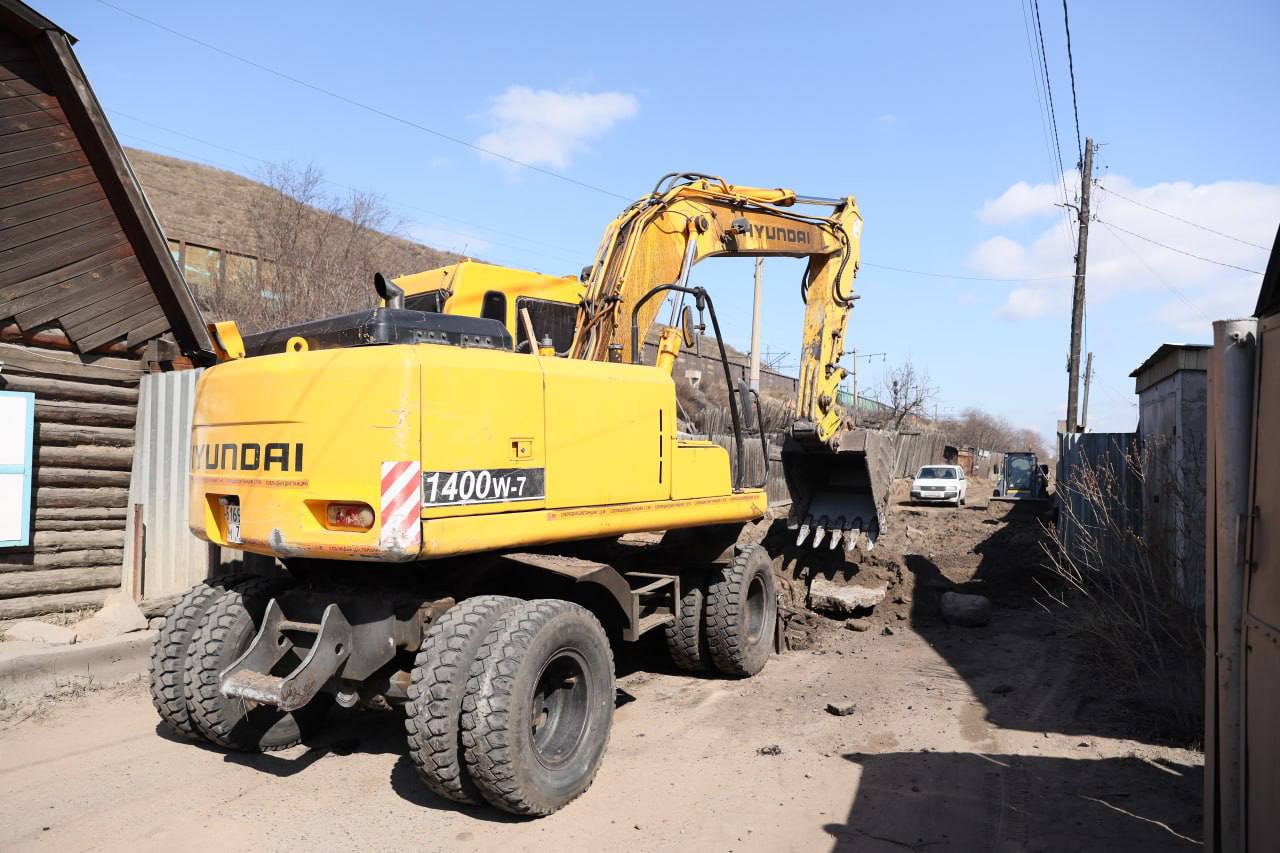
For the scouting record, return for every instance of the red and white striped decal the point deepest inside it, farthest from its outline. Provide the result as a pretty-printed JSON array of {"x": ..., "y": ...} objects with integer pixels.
[{"x": 401, "y": 506}]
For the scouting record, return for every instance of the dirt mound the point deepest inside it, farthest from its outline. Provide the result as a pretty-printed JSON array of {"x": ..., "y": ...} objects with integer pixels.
[{"x": 984, "y": 548}]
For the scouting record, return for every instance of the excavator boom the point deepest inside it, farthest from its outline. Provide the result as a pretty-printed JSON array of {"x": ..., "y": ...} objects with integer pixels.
[{"x": 835, "y": 471}]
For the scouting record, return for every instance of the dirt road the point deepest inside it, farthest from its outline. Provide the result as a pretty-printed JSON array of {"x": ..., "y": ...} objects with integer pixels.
[{"x": 963, "y": 738}]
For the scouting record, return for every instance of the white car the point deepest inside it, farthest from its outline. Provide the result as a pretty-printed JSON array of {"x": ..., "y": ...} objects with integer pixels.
[{"x": 939, "y": 484}]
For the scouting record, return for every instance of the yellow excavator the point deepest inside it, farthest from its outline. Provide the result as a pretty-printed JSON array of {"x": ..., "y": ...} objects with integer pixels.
[{"x": 426, "y": 470}]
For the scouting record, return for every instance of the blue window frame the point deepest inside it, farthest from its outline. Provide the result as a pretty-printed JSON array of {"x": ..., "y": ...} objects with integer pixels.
[{"x": 17, "y": 431}]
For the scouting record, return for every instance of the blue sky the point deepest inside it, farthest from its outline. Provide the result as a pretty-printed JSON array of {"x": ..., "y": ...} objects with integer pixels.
[{"x": 930, "y": 118}]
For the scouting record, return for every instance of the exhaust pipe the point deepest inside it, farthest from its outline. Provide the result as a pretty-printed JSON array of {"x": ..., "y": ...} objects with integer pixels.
[{"x": 390, "y": 292}]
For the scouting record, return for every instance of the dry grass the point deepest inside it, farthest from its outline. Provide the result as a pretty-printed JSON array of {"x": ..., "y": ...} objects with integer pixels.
[
  {"x": 67, "y": 618},
  {"x": 1124, "y": 594}
]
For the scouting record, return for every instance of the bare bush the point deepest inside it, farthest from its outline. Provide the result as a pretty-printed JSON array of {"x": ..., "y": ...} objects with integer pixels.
[
  {"x": 905, "y": 395},
  {"x": 318, "y": 253},
  {"x": 1129, "y": 594},
  {"x": 976, "y": 428}
]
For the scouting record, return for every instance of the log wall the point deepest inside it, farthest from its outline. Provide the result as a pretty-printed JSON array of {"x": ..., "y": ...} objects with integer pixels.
[{"x": 84, "y": 434}]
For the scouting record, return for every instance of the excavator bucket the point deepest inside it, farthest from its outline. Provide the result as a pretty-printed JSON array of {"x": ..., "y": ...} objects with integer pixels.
[{"x": 839, "y": 495}]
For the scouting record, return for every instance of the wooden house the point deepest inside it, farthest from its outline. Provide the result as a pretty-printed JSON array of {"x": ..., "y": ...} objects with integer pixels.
[{"x": 91, "y": 299}]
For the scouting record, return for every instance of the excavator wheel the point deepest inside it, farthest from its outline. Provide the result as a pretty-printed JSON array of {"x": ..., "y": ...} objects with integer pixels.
[
  {"x": 434, "y": 711},
  {"x": 686, "y": 636},
  {"x": 742, "y": 607},
  {"x": 227, "y": 629},
  {"x": 539, "y": 707},
  {"x": 169, "y": 653}
]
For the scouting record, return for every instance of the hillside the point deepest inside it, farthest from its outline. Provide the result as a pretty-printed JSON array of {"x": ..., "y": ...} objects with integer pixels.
[{"x": 212, "y": 207}]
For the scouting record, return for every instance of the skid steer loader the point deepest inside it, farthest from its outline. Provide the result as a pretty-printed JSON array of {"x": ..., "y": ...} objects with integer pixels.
[{"x": 426, "y": 470}]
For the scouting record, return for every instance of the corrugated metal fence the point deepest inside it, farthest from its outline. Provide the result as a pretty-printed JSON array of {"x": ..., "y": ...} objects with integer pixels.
[
  {"x": 173, "y": 558},
  {"x": 1112, "y": 457}
]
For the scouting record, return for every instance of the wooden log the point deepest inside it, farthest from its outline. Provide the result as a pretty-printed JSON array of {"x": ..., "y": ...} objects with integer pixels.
[
  {"x": 27, "y": 561},
  {"x": 52, "y": 496},
  {"x": 39, "y": 605},
  {"x": 51, "y": 388},
  {"x": 54, "y": 362},
  {"x": 79, "y": 524},
  {"x": 85, "y": 414},
  {"x": 49, "y": 336},
  {"x": 80, "y": 477},
  {"x": 68, "y": 434},
  {"x": 87, "y": 513},
  {"x": 77, "y": 540},
  {"x": 85, "y": 456},
  {"x": 14, "y": 584}
]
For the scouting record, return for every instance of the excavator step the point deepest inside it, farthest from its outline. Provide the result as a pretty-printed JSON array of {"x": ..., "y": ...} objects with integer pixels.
[
  {"x": 251, "y": 676},
  {"x": 653, "y": 603}
]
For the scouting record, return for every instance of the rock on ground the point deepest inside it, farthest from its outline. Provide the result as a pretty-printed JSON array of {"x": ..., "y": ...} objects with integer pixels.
[
  {"x": 40, "y": 632},
  {"x": 969, "y": 610},
  {"x": 843, "y": 600},
  {"x": 119, "y": 615}
]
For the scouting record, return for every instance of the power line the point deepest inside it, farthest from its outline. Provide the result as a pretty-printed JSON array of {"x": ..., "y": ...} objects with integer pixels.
[
  {"x": 1038, "y": 86},
  {"x": 1175, "y": 291},
  {"x": 1053, "y": 113},
  {"x": 569, "y": 255},
  {"x": 1180, "y": 219},
  {"x": 1071, "y": 66},
  {"x": 1179, "y": 251},
  {"x": 363, "y": 106},
  {"x": 962, "y": 277},
  {"x": 486, "y": 252}
]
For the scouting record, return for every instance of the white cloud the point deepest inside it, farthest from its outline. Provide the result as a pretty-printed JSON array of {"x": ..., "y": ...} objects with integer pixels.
[
  {"x": 1024, "y": 201},
  {"x": 887, "y": 119},
  {"x": 546, "y": 128},
  {"x": 1186, "y": 293}
]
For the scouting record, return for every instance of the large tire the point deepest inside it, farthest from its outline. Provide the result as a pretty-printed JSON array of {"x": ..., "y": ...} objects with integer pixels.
[
  {"x": 433, "y": 715},
  {"x": 226, "y": 631},
  {"x": 686, "y": 638},
  {"x": 742, "y": 607},
  {"x": 169, "y": 653},
  {"x": 539, "y": 707}
]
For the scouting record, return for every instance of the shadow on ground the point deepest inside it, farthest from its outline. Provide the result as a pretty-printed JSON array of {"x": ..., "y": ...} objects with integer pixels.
[{"x": 969, "y": 801}]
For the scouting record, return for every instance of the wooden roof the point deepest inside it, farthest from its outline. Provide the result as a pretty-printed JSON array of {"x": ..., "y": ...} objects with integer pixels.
[{"x": 79, "y": 245}]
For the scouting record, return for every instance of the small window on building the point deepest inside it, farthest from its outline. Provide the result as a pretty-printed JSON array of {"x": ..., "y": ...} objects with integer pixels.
[
  {"x": 175, "y": 249},
  {"x": 201, "y": 268},
  {"x": 241, "y": 270}
]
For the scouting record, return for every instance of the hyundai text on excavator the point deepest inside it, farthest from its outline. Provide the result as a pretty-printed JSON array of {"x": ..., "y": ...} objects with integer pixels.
[{"x": 427, "y": 473}]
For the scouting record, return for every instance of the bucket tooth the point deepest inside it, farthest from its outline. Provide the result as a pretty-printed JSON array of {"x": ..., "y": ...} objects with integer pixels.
[
  {"x": 836, "y": 535},
  {"x": 804, "y": 530},
  {"x": 821, "y": 531}
]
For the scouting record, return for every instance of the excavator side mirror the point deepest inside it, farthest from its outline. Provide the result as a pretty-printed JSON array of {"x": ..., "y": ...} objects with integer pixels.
[
  {"x": 688, "y": 330},
  {"x": 388, "y": 291}
]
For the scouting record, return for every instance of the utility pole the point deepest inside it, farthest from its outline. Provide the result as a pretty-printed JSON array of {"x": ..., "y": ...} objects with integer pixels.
[
  {"x": 755, "y": 327},
  {"x": 1088, "y": 374},
  {"x": 1077, "y": 297}
]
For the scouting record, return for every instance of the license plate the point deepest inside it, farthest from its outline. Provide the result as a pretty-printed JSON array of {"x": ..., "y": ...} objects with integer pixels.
[{"x": 231, "y": 515}]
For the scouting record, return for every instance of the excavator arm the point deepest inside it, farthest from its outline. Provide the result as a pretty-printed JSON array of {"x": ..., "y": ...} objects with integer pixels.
[
  {"x": 688, "y": 218},
  {"x": 837, "y": 474}
]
